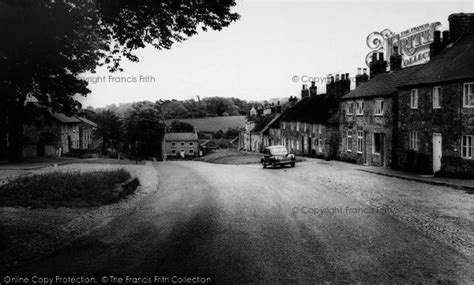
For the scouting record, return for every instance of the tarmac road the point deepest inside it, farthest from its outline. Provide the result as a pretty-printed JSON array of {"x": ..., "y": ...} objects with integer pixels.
[{"x": 248, "y": 224}]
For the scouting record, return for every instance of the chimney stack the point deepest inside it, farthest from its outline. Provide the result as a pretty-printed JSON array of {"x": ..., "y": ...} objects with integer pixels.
[
  {"x": 278, "y": 107},
  {"x": 460, "y": 24},
  {"x": 378, "y": 65},
  {"x": 361, "y": 76},
  {"x": 313, "y": 90},
  {"x": 395, "y": 59},
  {"x": 437, "y": 45},
  {"x": 304, "y": 91}
]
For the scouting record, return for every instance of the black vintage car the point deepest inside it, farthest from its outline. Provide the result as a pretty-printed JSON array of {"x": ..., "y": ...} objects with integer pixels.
[{"x": 277, "y": 155}]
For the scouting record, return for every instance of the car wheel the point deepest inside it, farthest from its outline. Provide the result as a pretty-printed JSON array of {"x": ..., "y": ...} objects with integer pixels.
[
  {"x": 274, "y": 165},
  {"x": 264, "y": 165},
  {"x": 292, "y": 164}
]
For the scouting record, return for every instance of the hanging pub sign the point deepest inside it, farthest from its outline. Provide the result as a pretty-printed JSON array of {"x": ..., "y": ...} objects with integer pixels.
[{"x": 413, "y": 44}]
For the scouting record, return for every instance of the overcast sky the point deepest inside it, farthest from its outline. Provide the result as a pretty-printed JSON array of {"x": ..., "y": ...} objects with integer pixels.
[{"x": 257, "y": 57}]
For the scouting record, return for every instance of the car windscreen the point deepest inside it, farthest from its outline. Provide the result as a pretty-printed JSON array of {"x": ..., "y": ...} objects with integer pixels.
[{"x": 279, "y": 151}]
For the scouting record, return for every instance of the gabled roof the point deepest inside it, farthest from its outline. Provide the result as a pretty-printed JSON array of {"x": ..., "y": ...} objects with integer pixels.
[
  {"x": 65, "y": 119},
  {"x": 455, "y": 62},
  {"x": 384, "y": 84},
  {"x": 275, "y": 119},
  {"x": 181, "y": 137},
  {"x": 86, "y": 121},
  {"x": 314, "y": 109}
]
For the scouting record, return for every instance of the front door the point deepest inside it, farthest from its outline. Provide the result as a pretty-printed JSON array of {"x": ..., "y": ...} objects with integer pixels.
[{"x": 437, "y": 152}]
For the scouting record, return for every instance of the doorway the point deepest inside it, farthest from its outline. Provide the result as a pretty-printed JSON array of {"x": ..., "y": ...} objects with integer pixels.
[{"x": 437, "y": 151}]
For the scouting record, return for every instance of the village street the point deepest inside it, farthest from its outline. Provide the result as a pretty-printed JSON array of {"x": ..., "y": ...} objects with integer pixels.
[{"x": 320, "y": 221}]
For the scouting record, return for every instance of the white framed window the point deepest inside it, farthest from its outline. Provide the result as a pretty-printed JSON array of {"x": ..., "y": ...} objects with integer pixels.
[
  {"x": 468, "y": 97},
  {"x": 437, "y": 97},
  {"x": 173, "y": 151},
  {"x": 467, "y": 147},
  {"x": 182, "y": 143},
  {"x": 191, "y": 151},
  {"x": 349, "y": 140},
  {"x": 414, "y": 141},
  {"x": 360, "y": 141},
  {"x": 350, "y": 108},
  {"x": 377, "y": 143},
  {"x": 191, "y": 144},
  {"x": 320, "y": 129},
  {"x": 379, "y": 108},
  {"x": 297, "y": 126},
  {"x": 304, "y": 127},
  {"x": 314, "y": 128},
  {"x": 283, "y": 125},
  {"x": 414, "y": 99},
  {"x": 173, "y": 144},
  {"x": 360, "y": 108}
]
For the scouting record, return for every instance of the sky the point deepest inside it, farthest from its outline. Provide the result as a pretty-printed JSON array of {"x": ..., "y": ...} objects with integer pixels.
[{"x": 259, "y": 56}]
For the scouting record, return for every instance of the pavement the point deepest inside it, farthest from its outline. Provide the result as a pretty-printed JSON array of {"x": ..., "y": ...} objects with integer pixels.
[
  {"x": 320, "y": 221},
  {"x": 429, "y": 179}
]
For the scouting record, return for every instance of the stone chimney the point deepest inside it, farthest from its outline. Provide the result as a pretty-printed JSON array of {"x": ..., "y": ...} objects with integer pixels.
[
  {"x": 395, "y": 59},
  {"x": 460, "y": 24},
  {"x": 272, "y": 108},
  {"x": 361, "y": 76},
  {"x": 378, "y": 65},
  {"x": 304, "y": 91},
  {"x": 313, "y": 90},
  {"x": 331, "y": 86},
  {"x": 278, "y": 107}
]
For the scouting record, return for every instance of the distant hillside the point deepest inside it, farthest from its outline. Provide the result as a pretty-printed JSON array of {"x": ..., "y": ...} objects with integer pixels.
[{"x": 213, "y": 124}]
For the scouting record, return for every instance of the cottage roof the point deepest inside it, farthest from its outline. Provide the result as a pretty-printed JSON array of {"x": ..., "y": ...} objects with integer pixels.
[
  {"x": 455, "y": 62},
  {"x": 65, "y": 119},
  {"x": 272, "y": 122},
  {"x": 181, "y": 137},
  {"x": 314, "y": 109},
  {"x": 86, "y": 121},
  {"x": 384, "y": 84}
]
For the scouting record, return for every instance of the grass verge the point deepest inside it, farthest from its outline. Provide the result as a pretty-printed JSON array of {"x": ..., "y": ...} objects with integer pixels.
[{"x": 68, "y": 189}]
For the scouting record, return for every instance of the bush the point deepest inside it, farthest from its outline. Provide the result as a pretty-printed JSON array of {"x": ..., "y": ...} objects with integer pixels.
[{"x": 74, "y": 189}]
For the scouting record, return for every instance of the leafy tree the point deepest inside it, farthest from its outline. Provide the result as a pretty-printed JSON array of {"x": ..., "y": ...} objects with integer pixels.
[
  {"x": 50, "y": 43},
  {"x": 181, "y": 127},
  {"x": 144, "y": 129},
  {"x": 109, "y": 128},
  {"x": 217, "y": 106}
]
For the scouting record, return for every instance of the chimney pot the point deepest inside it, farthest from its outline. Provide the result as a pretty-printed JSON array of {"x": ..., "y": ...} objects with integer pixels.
[
  {"x": 347, "y": 76},
  {"x": 374, "y": 57},
  {"x": 445, "y": 38},
  {"x": 337, "y": 77},
  {"x": 359, "y": 71},
  {"x": 380, "y": 56}
]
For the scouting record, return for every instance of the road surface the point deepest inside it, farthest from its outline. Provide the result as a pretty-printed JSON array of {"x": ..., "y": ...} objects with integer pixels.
[{"x": 248, "y": 224}]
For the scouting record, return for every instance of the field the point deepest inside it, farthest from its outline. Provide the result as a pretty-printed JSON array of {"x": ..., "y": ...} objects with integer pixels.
[{"x": 214, "y": 124}]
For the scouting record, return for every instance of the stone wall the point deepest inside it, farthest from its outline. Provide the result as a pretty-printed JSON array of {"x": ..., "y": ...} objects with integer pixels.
[
  {"x": 369, "y": 124},
  {"x": 452, "y": 121}
]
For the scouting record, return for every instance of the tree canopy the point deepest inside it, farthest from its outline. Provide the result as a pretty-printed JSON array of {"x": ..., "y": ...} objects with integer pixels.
[{"x": 47, "y": 44}]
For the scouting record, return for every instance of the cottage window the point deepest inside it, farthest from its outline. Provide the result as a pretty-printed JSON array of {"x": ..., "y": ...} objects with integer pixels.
[
  {"x": 377, "y": 143},
  {"x": 320, "y": 131},
  {"x": 304, "y": 127},
  {"x": 360, "y": 141},
  {"x": 414, "y": 99},
  {"x": 360, "y": 108},
  {"x": 350, "y": 108},
  {"x": 297, "y": 126},
  {"x": 173, "y": 151},
  {"x": 191, "y": 151},
  {"x": 468, "y": 95},
  {"x": 467, "y": 146},
  {"x": 436, "y": 97},
  {"x": 349, "y": 140},
  {"x": 378, "y": 107},
  {"x": 314, "y": 128},
  {"x": 191, "y": 144},
  {"x": 414, "y": 141},
  {"x": 173, "y": 144},
  {"x": 182, "y": 143}
]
